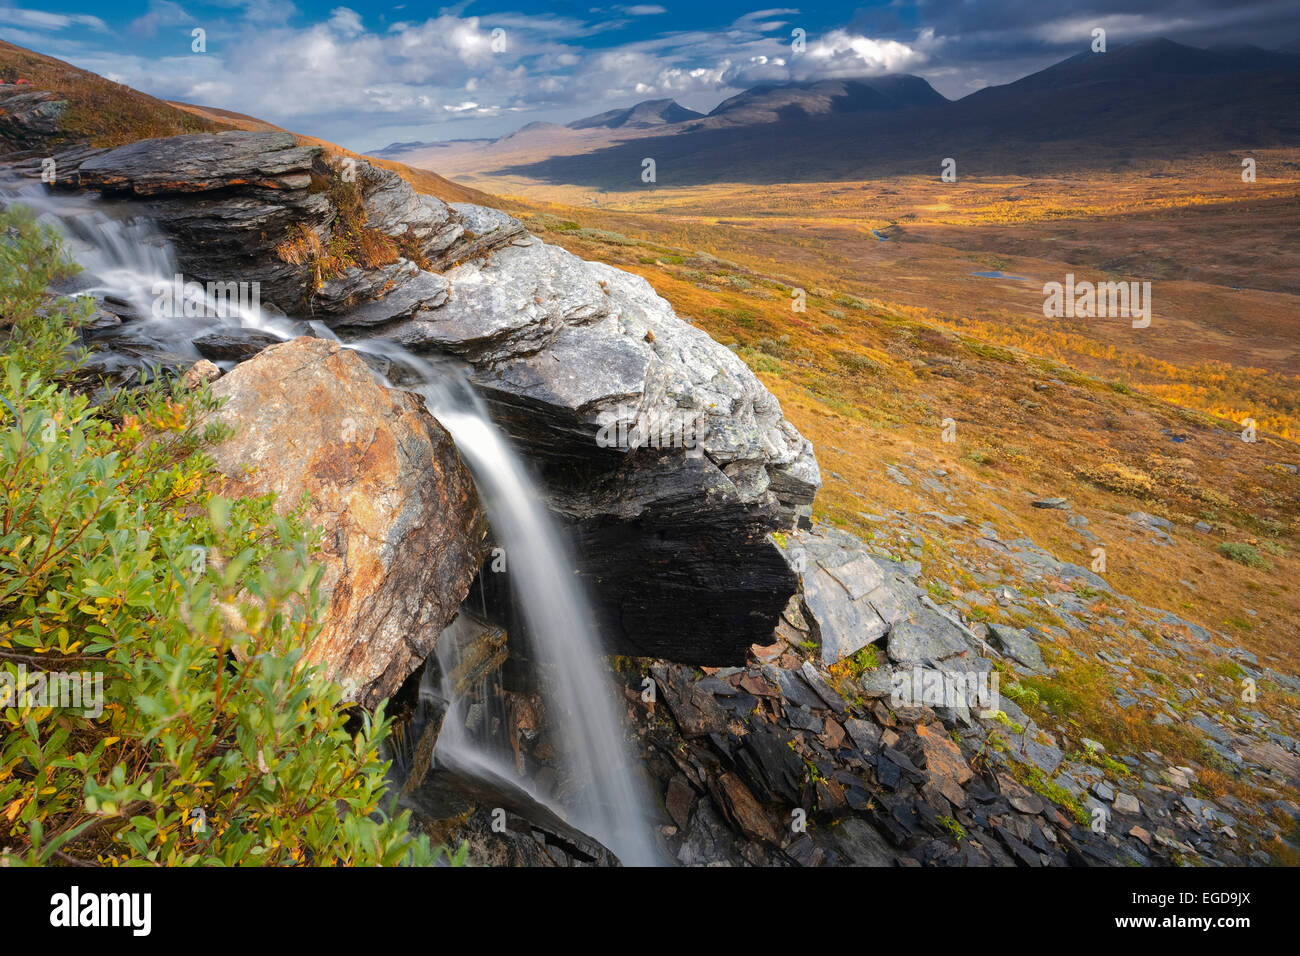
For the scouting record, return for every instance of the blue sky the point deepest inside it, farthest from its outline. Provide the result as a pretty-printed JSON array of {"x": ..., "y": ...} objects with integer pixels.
[{"x": 365, "y": 74}]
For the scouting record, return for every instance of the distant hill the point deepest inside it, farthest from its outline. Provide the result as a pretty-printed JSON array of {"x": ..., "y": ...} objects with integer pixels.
[
  {"x": 761, "y": 105},
  {"x": 641, "y": 116},
  {"x": 1150, "y": 99},
  {"x": 773, "y": 102}
]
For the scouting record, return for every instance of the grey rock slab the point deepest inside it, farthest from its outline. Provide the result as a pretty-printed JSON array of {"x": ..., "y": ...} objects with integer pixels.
[
  {"x": 793, "y": 687},
  {"x": 925, "y": 636},
  {"x": 858, "y": 577},
  {"x": 424, "y": 290},
  {"x": 865, "y": 734},
  {"x": 1017, "y": 643},
  {"x": 824, "y": 690},
  {"x": 1127, "y": 803},
  {"x": 200, "y": 162},
  {"x": 842, "y": 625}
]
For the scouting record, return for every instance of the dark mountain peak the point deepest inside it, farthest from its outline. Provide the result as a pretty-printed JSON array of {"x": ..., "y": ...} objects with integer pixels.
[
  {"x": 769, "y": 102},
  {"x": 641, "y": 116},
  {"x": 400, "y": 147},
  {"x": 1152, "y": 58}
]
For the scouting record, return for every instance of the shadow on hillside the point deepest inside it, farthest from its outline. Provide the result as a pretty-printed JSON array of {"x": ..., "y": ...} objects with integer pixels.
[{"x": 1005, "y": 131}]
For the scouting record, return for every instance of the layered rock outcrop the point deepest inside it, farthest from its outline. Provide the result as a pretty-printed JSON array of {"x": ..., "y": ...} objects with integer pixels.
[
  {"x": 667, "y": 457},
  {"x": 402, "y": 529},
  {"x": 28, "y": 116}
]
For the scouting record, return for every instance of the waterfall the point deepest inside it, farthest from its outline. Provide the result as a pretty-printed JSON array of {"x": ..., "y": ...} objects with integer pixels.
[
  {"x": 550, "y": 599},
  {"x": 125, "y": 257}
]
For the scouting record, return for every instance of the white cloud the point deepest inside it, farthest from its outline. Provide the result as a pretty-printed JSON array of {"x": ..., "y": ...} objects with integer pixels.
[
  {"x": 41, "y": 20},
  {"x": 346, "y": 21},
  {"x": 848, "y": 54},
  {"x": 341, "y": 79},
  {"x": 161, "y": 13}
]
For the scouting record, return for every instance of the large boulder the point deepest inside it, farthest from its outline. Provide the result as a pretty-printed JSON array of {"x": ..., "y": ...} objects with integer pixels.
[
  {"x": 668, "y": 458},
  {"x": 403, "y": 533}
]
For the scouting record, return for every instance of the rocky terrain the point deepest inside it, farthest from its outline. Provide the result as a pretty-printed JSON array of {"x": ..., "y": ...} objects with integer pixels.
[{"x": 798, "y": 696}]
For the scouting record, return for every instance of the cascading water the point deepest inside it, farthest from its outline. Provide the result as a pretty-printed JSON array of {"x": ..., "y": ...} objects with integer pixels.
[
  {"x": 609, "y": 806},
  {"x": 126, "y": 258}
]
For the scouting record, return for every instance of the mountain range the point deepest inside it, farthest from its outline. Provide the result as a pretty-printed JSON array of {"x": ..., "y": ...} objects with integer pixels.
[{"x": 1132, "y": 102}]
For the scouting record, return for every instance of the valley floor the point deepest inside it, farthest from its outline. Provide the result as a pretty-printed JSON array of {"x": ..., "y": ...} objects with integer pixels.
[{"x": 941, "y": 402}]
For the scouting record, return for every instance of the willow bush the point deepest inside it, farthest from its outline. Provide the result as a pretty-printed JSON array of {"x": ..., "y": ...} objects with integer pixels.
[{"x": 199, "y": 736}]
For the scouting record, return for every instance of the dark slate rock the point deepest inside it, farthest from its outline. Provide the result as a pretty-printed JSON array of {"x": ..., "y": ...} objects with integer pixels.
[
  {"x": 823, "y": 689},
  {"x": 201, "y": 162},
  {"x": 696, "y": 711},
  {"x": 801, "y": 718},
  {"x": 233, "y": 344},
  {"x": 793, "y": 687},
  {"x": 771, "y": 767},
  {"x": 861, "y": 844}
]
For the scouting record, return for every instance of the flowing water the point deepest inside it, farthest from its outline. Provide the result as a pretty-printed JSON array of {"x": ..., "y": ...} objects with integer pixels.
[
  {"x": 558, "y": 619},
  {"x": 125, "y": 258}
]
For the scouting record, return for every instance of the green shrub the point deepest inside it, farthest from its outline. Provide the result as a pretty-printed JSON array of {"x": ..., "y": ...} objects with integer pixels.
[
  {"x": 196, "y": 734},
  {"x": 1242, "y": 554}
]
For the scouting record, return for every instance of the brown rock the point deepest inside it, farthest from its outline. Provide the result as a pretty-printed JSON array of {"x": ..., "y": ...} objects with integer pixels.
[
  {"x": 945, "y": 763},
  {"x": 833, "y": 736},
  {"x": 398, "y": 506},
  {"x": 745, "y": 810},
  {"x": 696, "y": 711},
  {"x": 753, "y": 684},
  {"x": 883, "y": 715},
  {"x": 680, "y": 800},
  {"x": 1020, "y": 798},
  {"x": 199, "y": 373},
  {"x": 830, "y": 797}
]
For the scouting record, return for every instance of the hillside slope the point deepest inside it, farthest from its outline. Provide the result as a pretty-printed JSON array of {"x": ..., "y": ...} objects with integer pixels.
[
  {"x": 97, "y": 111},
  {"x": 90, "y": 109}
]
